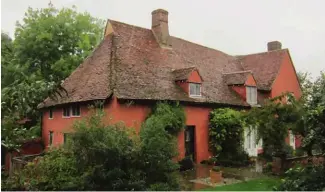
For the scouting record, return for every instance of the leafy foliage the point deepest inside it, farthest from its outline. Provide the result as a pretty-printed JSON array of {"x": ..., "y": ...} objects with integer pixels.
[
  {"x": 273, "y": 121},
  {"x": 54, "y": 42},
  {"x": 311, "y": 125},
  {"x": 226, "y": 137},
  {"x": 48, "y": 45},
  {"x": 172, "y": 116},
  {"x": 310, "y": 178},
  {"x": 158, "y": 145}
]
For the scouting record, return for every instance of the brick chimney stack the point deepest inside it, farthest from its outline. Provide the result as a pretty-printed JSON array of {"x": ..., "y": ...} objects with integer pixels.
[
  {"x": 160, "y": 27},
  {"x": 274, "y": 45}
]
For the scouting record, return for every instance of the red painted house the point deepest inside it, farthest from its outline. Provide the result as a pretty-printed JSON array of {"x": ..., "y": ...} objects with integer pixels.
[{"x": 141, "y": 66}]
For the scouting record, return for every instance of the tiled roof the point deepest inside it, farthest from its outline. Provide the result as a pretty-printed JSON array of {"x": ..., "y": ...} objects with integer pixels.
[
  {"x": 265, "y": 66},
  {"x": 183, "y": 74},
  {"x": 130, "y": 64},
  {"x": 236, "y": 78}
]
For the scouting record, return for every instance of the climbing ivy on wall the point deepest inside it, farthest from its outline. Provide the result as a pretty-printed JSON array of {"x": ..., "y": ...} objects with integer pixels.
[
  {"x": 172, "y": 116},
  {"x": 226, "y": 135},
  {"x": 272, "y": 122}
]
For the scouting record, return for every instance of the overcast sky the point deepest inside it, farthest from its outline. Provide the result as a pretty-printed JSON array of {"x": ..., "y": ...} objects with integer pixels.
[{"x": 233, "y": 26}]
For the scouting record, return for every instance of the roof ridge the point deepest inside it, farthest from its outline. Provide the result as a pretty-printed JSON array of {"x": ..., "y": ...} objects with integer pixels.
[
  {"x": 204, "y": 46},
  {"x": 285, "y": 49},
  {"x": 236, "y": 72},
  {"x": 170, "y": 36},
  {"x": 128, "y": 24},
  {"x": 193, "y": 67}
]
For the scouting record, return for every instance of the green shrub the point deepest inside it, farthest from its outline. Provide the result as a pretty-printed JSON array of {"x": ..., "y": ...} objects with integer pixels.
[
  {"x": 288, "y": 150},
  {"x": 239, "y": 159},
  {"x": 309, "y": 178},
  {"x": 267, "y": 168},
  {"x": 106, "y": 157},
  {"x": 158, "y": 148},
  {"x": 299, "y": 152},
  {"x": 216, "y": 169},
  {"x": 55, "y": 171},
  {"x": 226, "y": 137},
  {"x": 172, "y": 116}
]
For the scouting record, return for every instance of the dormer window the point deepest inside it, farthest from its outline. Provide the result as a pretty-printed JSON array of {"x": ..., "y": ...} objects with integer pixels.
[
  {"x": 251, "y": 95},
  {"x": 195, "y": 89},
  {"x": 190, "y": 80}
]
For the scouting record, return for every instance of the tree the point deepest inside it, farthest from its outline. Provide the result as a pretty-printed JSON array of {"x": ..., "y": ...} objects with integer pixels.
[
  {"x": 272, "y": 121},
  {"x": 49, "y": 44},
  {"x": 53, "y": 42},
  {"x": 311, "y": 125}
]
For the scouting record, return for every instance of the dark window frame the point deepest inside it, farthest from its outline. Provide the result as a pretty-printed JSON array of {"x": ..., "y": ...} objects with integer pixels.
[
  {"x": 50, "y": 113},
  {"x": 66, "y": 112},
  {"x": 51, "y": 136},
  {"x": 75, "y": 111}
]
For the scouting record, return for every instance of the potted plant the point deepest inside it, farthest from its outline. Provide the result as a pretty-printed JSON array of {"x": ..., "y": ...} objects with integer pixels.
[{"x": 216, "y": 174}]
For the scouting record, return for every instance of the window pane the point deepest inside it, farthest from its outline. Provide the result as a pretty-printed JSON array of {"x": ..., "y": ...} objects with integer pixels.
[
  {"x": 195, "y": 89},
  {"x": 66, "y": 112},
  {"x": 76, "y": 110},
  {"x": 51, "y": 137},
  {"x": 251, "y": 94},
  {"x": 50, "y": 113}
]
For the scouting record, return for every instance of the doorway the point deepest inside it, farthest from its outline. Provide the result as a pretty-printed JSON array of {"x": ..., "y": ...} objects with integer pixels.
[{"x": 189, "y": 138}]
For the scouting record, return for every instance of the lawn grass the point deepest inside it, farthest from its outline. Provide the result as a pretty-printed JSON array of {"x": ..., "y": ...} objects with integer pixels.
[{"x": 261, "y": 184}]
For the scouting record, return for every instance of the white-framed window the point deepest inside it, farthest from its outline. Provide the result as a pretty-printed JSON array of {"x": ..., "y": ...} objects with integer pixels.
[
  {"x": 50, "y": 113},
  {"x": 51, "y": 138},
  {"x": 195, "y": 89},
  {"x": 75, "y": 111},
  {"x": 71, "y": 111},
  {"x": 251, "y": 95},
  {"x": 66, "y": 111},
  {"x": 292, "y": 140}
]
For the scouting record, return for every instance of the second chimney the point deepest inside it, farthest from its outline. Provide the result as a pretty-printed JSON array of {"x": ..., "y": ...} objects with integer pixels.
[
  {"x": 274, "y": 45},
  {"x": 160, "y": 27}
]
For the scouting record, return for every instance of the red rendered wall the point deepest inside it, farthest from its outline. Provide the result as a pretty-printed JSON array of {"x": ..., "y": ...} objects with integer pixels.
[
  {"x": 133, "y": 115},
  {"x": 250, "y": 81},
  {"x": 194, "y": 77},
  {"x": 59, "y": 124},
  {"x": 287, "y": 80},
  {"x": 241, "y": 90},
  {"x": 198, "y": 117}
]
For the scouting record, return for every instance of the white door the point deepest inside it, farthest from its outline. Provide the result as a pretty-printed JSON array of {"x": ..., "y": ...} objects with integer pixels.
[{"x": 250, "y": 145}]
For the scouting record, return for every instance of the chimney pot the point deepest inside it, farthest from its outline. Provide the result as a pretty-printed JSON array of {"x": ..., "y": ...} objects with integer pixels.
[
  {"x": 274, "y": 45},
  {"x": 160, "y": 27}
]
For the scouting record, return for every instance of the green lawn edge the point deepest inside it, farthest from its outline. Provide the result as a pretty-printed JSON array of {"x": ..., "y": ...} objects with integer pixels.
[{"x": 260, "y": 184}]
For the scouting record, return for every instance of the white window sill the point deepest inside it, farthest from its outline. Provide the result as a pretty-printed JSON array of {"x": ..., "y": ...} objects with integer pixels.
[
  {"x": 195, "y": 96},
  {"x": 76, "y": 116}
]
